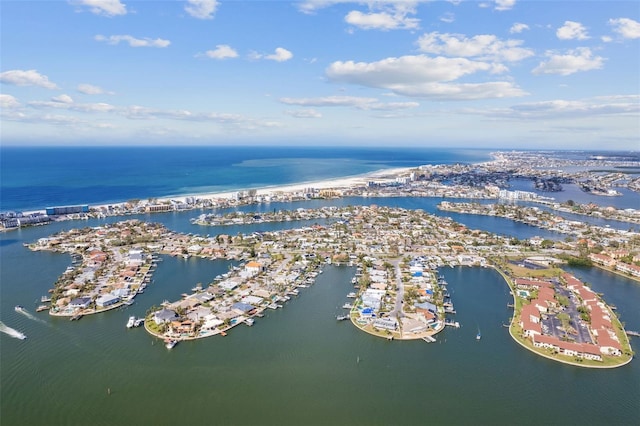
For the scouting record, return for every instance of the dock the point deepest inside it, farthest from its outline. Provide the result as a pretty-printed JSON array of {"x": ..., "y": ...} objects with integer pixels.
[
  {"x": 632, "y": 333},
  {"x": 429, "y": 339}
]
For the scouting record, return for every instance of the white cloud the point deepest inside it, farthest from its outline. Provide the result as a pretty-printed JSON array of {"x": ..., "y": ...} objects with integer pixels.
[
  {"x": 65, "y": 99},
  {"x": 361, "y": 103},
  {"x": 310, "y": 6},
  {"x": 281, "y": 55},
  {"x": 483, "y": 46},
  {"x": 304, "y": 113},
  {"x": 572, "y": 31},
  {"x": 222, "y": 51},
  {"x": 381, "y": 14},
  {"x": 26, "y": 78},
  {"x": 90, "y": 89},
  {"x": 136, "y": 112},
  {"x": 505, "y": 4},
  {"x": 627, "y": 28},
  {"x": 403, "y": 70},
  {"x": 65, "y": 102},
  {"x": 8, "y": 102},
  {"x": 201, "y": 9},
  {"x": 577, "y": 60},
  {"x": 329, "y": 101},
  {"x": 606, "y": 39},
  {"x": 133, "y": 42},
  {"x": 381, "y": 20},
  {"x": 390, "y": 106},
  {"x": 518, "y": 27},
  {"x": 561, "y": 108},
  {"x": 422, "y": 76},
  {"x": 448, "y": 17},
  {"x": 103, "y": 7}
]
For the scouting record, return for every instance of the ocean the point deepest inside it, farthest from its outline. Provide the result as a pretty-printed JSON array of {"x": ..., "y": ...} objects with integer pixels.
[
  {"x": 297, "y": 365},
  {"x": 38, "y": 177}
]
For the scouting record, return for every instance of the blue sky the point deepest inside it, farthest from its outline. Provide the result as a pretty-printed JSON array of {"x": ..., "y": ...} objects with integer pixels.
[{"x": 505, "y": 74}]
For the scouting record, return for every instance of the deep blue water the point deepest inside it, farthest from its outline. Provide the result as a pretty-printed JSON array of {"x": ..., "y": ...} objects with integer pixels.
[{"x": 37, "y": 177}]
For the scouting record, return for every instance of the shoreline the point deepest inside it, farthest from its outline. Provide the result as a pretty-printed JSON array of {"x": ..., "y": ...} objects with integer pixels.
[
  {"x": 541, "y": 352},
  {"x": 337, "y": 182}
]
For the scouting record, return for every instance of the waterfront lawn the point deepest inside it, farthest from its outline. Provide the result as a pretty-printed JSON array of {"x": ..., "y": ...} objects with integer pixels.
[
  {"x": 607, "y": 361},
  {"x": 519, "y": 271}
]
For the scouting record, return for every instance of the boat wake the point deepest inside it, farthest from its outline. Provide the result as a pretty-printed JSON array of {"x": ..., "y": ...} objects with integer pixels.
[
  {"x": 11, "y": 331},
  {"x": 30, "y": 315}
]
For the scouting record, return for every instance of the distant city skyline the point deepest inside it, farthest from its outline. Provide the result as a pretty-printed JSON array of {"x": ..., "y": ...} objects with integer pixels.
[{"x": 478, "y": 74}]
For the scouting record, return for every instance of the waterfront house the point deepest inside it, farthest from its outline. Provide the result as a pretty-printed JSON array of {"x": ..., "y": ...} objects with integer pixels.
[
  {"x": 182, "y": 327},
  {"x": 106, "y": 300},
  {"x": 244, "y": 308},
  {"x": 164, "y": 315},
  {"x": 602, "y": 259},
  {"x": 530, "y": 321},
  {"x": 386, "y": 323},
  {"x": 80, "y": 303},
  {"x": 629, "y": 269}
]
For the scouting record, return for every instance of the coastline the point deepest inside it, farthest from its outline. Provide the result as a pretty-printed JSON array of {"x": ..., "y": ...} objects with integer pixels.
[{"x": 337, "y": 183}]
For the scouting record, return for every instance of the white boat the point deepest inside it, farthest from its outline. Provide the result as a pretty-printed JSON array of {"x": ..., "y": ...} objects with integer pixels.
[
  {"x": 351, "y": 295},
  {"x": 19, "y": 308},
  {"x": 347, "y": 306},
  {"x": 478, "y": 336},
  {"x": 249, "y": 321},
  {"x": 170, "y": 343},
  {"x": 131, "y": 322}
]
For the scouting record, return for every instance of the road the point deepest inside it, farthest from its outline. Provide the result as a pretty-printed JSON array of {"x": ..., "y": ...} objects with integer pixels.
[{"x": 397, "y": 310}]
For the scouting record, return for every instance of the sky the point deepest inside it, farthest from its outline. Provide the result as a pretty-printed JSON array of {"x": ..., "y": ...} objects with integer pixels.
[{"x": 515, "y": 74}]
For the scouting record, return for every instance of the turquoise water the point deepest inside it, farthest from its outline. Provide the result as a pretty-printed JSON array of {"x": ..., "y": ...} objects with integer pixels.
[
  {"x": 296, "y": 366},
  {"x": 38, "y": 177}
]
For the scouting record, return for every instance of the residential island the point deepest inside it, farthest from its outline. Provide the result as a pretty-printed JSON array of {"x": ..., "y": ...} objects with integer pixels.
[{"x": 397, "y": 294}]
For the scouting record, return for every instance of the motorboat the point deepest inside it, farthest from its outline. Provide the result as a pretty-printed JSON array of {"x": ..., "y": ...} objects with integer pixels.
[{"x": 131, "y": 322}]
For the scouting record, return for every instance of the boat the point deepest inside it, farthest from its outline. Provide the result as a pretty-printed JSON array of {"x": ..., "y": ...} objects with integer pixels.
[
  {"x": 249, "y": 321},
  {"x": 19, "y": 308},
  {"x": 347, "y": 306},
  {"x": 351, "y": 295},
  {"x": 342, "y": 317},
  {"x": 478, "y": 336},
  {"x": 169, "y": 344},
  {"x": 131, "y": 322},
  {"x": 45, "y": 299}
]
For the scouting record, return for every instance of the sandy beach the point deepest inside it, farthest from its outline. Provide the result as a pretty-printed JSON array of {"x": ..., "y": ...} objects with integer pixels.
[{"x": 337, "y": 183}]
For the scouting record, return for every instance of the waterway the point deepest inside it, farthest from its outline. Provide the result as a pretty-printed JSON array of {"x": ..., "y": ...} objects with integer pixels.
[{"x": 298, "y": 365}]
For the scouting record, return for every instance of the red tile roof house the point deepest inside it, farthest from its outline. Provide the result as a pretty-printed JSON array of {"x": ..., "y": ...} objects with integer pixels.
[
  {"x": 567, "y": 348},
  {"x": 631, "y": 269},
  {"x": 602, "y": 259},
  {"x": 530, "y": 321}
]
